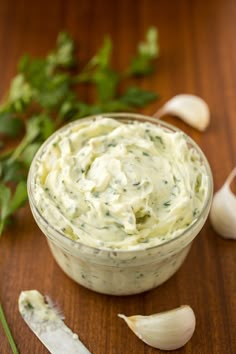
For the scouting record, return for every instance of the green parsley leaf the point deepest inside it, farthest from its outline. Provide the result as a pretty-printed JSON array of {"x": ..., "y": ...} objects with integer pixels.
[
  {"x": 10, "y": 203},
  {"x": 99, "y": 62},
  {"x": 48, "y": 86},
  {"x": 5, "y": 195},
  {"x": 116, "y": 105},
  {"x": 87, "y": 110},
  {"x": 33, "y": 71},
  {"x": 48, "y": 89},
  {"x": 63, "y": 56},
  {"x": 68, "y": 109},
  {"x": 51, "y": 92},
  {"x": 137, "y": 97},
  {"x": 11, "y": 170},
  {"x": 19, "y": 197},
  {"x": 147, "y": 51},
  {"x": 150, "y": 48},
  {"x": 28, "y": 153},
  {"x": 39, "y": 125},
  {"x": 20, "y": 94},
  {"x": 9, "y": 125},
  {"x": 102, "y": 58},
  {"x": 98, "y": 72},
  {"x": 106, "y": 81}
]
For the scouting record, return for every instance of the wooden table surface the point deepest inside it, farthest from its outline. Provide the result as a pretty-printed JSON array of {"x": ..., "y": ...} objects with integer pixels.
[{"x": 198, "y": 56}]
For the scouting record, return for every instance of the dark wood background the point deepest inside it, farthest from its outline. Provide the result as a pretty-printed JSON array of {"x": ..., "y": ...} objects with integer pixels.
[{"x": 198, "y": 55}]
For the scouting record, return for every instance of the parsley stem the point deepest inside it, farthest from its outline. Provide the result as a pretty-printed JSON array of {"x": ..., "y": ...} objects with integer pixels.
[
  {"x": 7, "y": 331},
  {"x": 20, "y": 148},
  {"x": 6, "y": 154},
  {"x": 1, "y": 228}
]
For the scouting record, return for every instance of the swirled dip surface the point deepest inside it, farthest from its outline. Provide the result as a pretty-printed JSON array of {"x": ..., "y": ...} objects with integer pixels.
[{"x": 115, "y": 185}]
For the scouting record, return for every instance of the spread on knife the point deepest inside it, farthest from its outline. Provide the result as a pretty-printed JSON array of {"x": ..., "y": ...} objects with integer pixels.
[
  {"x": 110, "y": 184},
  {"x": 46, "y": 321}
]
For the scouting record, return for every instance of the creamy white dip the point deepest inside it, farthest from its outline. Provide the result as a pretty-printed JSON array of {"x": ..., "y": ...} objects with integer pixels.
[{"x": 114, "y": 185}]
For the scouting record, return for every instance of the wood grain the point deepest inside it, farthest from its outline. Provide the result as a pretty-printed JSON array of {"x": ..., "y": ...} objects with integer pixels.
[{"x": 198, "y": 55}]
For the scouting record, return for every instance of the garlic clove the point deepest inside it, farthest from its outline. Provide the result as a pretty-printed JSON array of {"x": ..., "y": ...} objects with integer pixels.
[
  {"x": 190, "y": 108},
  {"x": 223, "y": 209},
  {"x": 167, "y": 330}
]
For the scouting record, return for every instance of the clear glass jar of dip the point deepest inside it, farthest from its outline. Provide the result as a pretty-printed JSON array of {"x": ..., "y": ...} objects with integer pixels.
[{"x": 120, "y": 272}]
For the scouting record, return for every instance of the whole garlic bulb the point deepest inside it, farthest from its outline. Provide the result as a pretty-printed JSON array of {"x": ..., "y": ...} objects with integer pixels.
[
  {"x": 168, "y": 330},
  {"x": 223, "y": 210}
]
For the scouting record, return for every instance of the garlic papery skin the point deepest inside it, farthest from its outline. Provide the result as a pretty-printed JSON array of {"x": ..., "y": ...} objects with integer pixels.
[
  {"x": 168, "y": 330},
  {"x": 190, "y": 108},
  {"x": 223, "y": 210}
]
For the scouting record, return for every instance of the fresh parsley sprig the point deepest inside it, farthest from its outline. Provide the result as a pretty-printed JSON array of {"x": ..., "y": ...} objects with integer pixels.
[{"x": 44, "y": 95}]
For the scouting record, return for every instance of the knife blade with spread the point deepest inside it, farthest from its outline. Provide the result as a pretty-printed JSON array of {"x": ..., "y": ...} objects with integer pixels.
[{"x": 46, "y": 322}]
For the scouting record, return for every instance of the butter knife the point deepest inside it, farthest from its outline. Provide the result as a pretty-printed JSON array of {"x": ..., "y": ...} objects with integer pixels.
[{"x": 44, "y": 319}]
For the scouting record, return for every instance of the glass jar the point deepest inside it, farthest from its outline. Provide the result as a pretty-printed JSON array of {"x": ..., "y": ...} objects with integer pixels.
[{"x": 120, "y": 272}]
